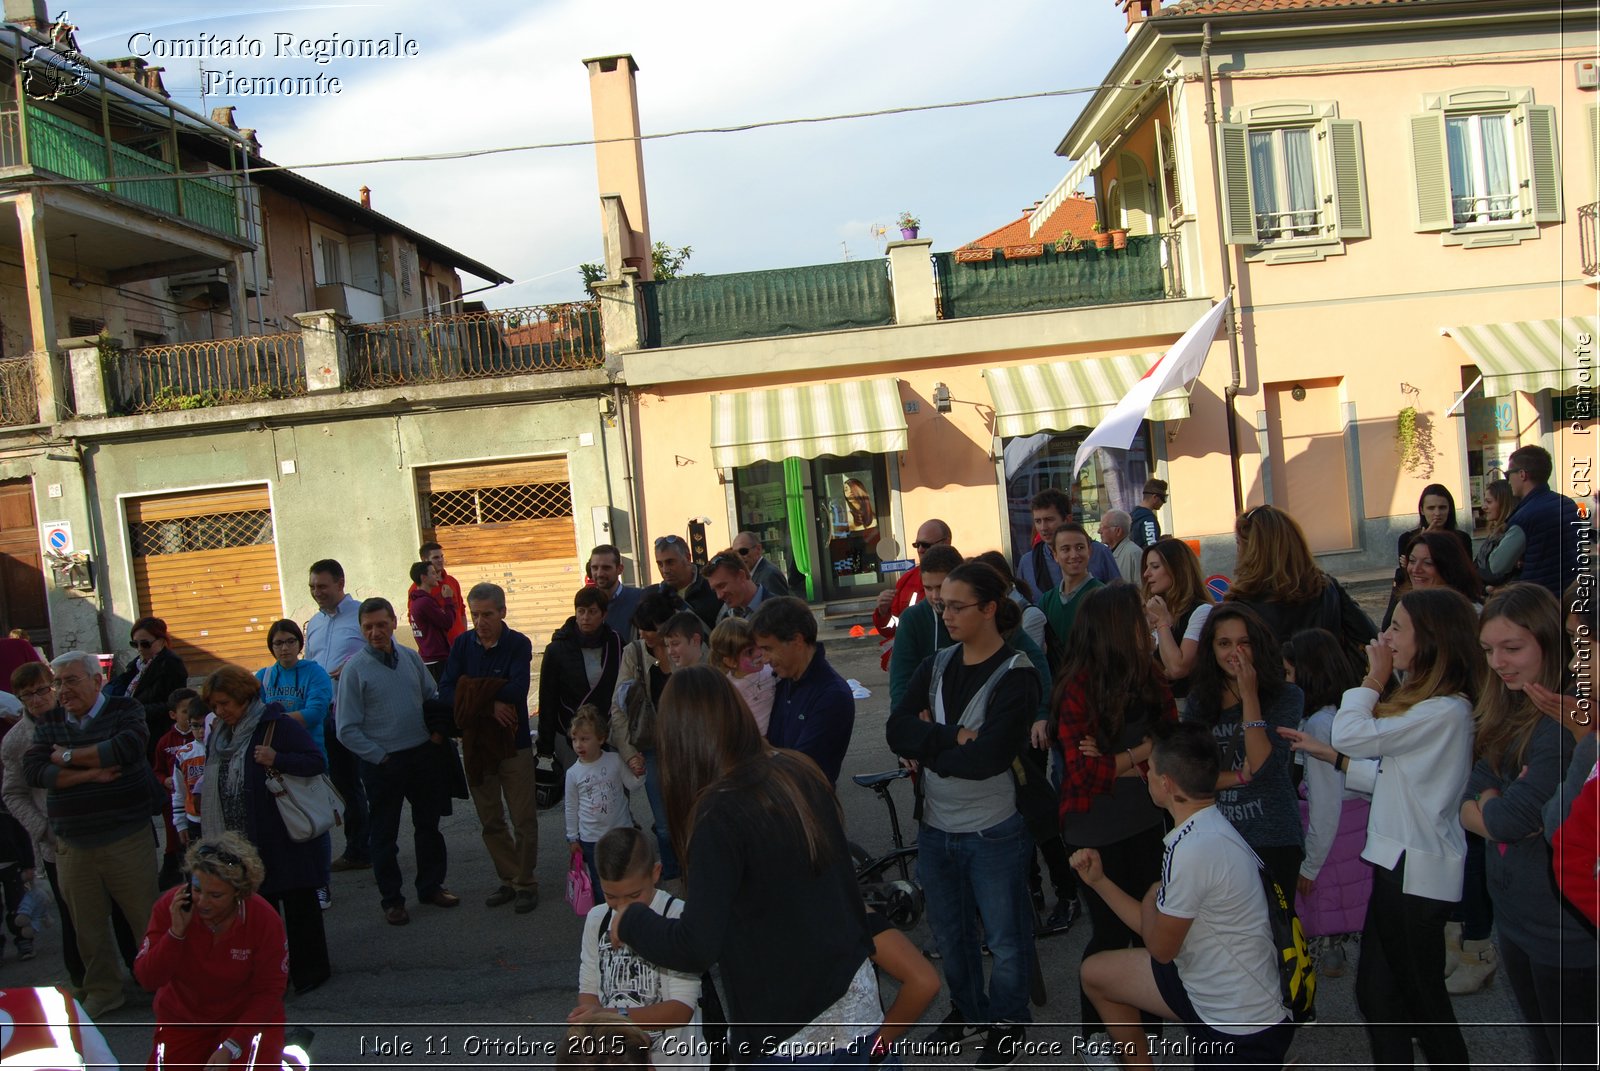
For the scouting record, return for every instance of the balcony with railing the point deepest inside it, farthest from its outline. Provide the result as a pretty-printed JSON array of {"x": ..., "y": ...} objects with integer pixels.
[
  {"x": 759, "y": 304},
  {"x": 1039, "y": 277},
  {"x": 476, "y": 345},
  {"x": 199, "y": 375},
  {"x": 34, "y": 139},
  {"x": 1589, "y": 241}
]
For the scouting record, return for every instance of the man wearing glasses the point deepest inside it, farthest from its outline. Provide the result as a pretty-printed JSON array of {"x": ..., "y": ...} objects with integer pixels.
[
  {"x": 1146, "y": 526},
  {"x": 88, "y": 754},
  {"x": 748, "y": 546},
  {"x": 908, "y": 589},
  {"x": 679, "y": 574},
  {"x": 1543, "y": 529}
]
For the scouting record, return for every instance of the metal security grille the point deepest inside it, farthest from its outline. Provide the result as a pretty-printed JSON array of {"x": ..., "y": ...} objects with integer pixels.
[
  {"x": 497, "y": 505},
  {"x": 216, "y": 531}
]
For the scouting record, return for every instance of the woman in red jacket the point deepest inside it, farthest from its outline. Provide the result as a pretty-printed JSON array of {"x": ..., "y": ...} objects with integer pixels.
[{"x": 216, "y": 958}]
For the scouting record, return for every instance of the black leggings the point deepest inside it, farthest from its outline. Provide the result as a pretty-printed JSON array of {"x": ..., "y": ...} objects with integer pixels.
[
  {"x": 1132, "y": 865},
  {"x": 1400, "y": 977},
  {"x": 1558, "y": 1004}
]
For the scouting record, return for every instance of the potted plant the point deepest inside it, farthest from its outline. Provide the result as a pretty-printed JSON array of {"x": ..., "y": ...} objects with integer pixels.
[
  {"x": 908, "y": 225},
  {"x": 1102, "y": 240},
  {"x": 1067, "y": 242},
  {"x": 1119, "y": 237}
]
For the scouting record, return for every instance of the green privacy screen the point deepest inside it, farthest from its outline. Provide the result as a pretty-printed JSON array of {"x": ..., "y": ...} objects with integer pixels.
[
  {"x": 760, "y": 304},
  {"x": 1051, "y": 281}
]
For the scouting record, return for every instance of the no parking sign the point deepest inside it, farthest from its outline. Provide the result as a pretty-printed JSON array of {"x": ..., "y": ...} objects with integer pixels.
[
  {"x": 58, "y": 537},
  {"x": 1218, "y": 585}
]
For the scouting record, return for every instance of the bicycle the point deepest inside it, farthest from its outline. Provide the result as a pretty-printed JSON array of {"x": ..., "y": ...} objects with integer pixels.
[{"x": 900, "y": 899}]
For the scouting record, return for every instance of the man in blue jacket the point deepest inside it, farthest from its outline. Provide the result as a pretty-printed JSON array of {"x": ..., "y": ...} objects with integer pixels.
[
  {"x": 1543, "y": 529},
  {"x": 813, "y": 711},
  {"x": 492, "y": 650}
]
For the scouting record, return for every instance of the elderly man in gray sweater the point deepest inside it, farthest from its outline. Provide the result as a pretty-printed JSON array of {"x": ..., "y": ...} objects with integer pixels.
[{"x": 381, "y": 693}]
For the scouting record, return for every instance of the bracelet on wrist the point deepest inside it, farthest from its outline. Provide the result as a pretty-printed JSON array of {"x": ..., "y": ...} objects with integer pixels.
[
  {"x": 174, "y": 934},
  {"x": 1341, "y": 762},
  {"x": 1243, "y": 773},
  {"x": 1258, "y": 724}
]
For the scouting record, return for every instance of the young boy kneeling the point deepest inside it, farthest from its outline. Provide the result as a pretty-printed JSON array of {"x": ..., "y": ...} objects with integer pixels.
[
  {"x": 1208, "y": 961},
  {"x": 663, "y": 1002}
]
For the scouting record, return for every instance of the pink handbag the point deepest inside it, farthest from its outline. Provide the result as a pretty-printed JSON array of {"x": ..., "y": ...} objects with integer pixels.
[{"x": 580, "y": 890}]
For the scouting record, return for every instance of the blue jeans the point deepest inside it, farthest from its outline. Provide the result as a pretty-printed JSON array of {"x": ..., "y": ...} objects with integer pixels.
[
  {"x": 407, "y": 777},
  {"x": 344, "y": 770},
  {"x": 658, "y": 813},
  {"x": 982, "y": 875}
]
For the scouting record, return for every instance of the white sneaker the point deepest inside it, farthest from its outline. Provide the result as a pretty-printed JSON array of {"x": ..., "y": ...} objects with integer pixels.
[
  {"x": 324, "y": 898},
  {"x": 1098, "y": 1051}
]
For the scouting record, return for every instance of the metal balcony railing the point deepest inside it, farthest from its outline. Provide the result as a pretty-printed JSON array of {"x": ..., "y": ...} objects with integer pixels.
[
  {"x": 1589, "y": 239},
  {"x": 199, "y": 375},
  {"x": 476, "y": 345}
]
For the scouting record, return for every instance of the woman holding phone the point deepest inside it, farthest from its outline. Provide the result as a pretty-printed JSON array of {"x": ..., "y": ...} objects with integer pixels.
[{"x": 217, "y": 960}]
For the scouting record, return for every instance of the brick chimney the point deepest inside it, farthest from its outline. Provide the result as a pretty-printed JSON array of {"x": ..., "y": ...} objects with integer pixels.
[
  {"x": 366, "y": 197},
  {"x": 223, "y": 116},
  {"x": 619, "y": 164},
  {"x": 1138, "y": 10},
  {"x": 152, "y": 81},
  {"x": 29, "y": 14},
  {"x": 130, "y": 67}
]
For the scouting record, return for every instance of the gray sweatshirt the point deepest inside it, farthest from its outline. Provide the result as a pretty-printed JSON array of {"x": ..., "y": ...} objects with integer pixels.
[{"x": 380, "y": 709}]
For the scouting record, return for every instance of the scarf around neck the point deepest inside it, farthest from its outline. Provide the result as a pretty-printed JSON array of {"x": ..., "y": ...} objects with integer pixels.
[{"x": 230, "y": 747}]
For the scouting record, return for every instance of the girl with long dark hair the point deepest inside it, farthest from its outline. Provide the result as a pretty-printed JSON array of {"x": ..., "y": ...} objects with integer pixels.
[
  {"x": 1109, "y": 698},
  {"x": 771, "y": 897},
  {"x": 1176, "y": 605},
  {"x": 1239, "y": 692}
]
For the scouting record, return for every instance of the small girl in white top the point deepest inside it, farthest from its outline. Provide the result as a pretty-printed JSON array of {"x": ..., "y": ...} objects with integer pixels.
[
  {"x": 733, "y": 651},
  {"x": 1421, "y": 737},
  {"x": 597, "y": 787}
]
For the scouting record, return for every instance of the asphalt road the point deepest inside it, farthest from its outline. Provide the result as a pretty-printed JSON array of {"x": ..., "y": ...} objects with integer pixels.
[{"x": 481, "y": 987}]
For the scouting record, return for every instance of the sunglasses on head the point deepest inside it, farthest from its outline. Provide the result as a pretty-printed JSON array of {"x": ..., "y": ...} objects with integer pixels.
[
  {"x": 221, "y": 855},
  {"x": 722, "y": 561},
  {"x": 670, "y": 541}
]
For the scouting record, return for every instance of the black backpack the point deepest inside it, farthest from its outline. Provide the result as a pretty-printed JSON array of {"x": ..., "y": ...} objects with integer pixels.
[{"x": 1297, "y": 974}]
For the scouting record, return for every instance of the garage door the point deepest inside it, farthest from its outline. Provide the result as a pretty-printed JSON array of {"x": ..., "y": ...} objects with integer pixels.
[
  {"x": 204, "y": 562},
  {"x": 509, "y": 524}
]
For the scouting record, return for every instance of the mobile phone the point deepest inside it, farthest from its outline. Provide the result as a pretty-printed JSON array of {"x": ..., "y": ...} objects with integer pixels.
[{"x": 186, "y": 896}]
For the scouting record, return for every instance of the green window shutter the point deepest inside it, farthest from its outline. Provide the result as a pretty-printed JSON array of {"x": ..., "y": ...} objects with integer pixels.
[
  {"x": 1238, "y": 202},
  {"x": 1430, "y": 174},
  {"x": 1348, "y": 190},
  {"x": 1543, "y": 178}
]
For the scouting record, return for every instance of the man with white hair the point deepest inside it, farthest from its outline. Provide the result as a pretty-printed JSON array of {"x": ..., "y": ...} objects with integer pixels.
[
  {"x": 1115, "y": 525},
  {"x": 88, "y": 754}
]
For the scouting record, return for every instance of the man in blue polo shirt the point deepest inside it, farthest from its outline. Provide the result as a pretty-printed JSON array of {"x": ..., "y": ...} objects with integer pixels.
[
  {"x": 333, "y": 634},
  {"x": 491, "y": 650},
  {"x": 813, "y": 711}
]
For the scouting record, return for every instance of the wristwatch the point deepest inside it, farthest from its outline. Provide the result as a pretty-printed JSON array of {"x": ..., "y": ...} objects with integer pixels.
[
  {"x": 231, "y": 1047},
  {"x": 66, "y": 757}
]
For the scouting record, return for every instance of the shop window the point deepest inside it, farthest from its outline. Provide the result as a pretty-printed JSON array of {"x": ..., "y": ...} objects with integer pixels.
[{"x": 1036, "y": 462}]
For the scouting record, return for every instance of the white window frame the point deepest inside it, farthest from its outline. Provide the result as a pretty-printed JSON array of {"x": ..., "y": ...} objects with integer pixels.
[
  {"x": 1516, "y": 213},
  {"x": 1280, "y": 178},
  {"x": 322, "y": 239}
]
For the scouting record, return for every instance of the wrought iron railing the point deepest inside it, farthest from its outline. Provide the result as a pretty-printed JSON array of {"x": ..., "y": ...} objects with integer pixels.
[
  {"x": 1589, "y": 239},
  {"x": 199, "y": 375},
  {"x": 476, "y": 345},
  {"x": 19, "y": 400}
]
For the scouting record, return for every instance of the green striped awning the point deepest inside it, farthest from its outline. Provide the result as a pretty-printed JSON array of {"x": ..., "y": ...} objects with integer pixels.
[
  {"x": 1529, "y": 355},
  {"x": 811, "y": 421},
  {"x": 1072, "y": 394}
]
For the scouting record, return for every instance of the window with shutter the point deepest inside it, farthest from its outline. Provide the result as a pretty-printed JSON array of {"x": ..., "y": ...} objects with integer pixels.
[{"x": 1485, "y": 166}]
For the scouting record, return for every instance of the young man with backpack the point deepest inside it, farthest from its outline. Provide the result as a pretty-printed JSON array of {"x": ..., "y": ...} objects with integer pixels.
[{"x": 1210, "y": 960}]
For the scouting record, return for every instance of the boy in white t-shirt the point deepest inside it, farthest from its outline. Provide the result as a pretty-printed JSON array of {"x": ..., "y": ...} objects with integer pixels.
[
  {"x": 1208, "y": 960},
  {"x": 662, "y": 1002}
]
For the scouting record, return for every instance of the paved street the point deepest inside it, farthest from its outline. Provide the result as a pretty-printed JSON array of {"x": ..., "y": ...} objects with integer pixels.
[{"x": 475, "y": 984}]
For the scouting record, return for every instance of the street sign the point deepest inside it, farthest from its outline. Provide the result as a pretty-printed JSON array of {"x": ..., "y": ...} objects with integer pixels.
[
  {"x": 901, "y": 566},
  {"x": 58, "y": 536},
  {"x": 1218, "y": 585}
]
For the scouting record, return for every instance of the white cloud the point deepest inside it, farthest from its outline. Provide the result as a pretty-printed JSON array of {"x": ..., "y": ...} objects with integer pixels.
[{"x": 504, "y": 73}]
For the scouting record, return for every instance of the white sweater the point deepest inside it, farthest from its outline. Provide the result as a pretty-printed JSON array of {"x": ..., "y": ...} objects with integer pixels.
[{"x": 1424, "y": 756}]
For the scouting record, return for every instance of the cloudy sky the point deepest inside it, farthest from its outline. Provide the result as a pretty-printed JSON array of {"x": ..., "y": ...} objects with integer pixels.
[{"x": 492, "y": 73}]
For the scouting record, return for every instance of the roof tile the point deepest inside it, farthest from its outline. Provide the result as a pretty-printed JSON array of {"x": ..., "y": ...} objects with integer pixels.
[{"x": 1075, "y": 214}]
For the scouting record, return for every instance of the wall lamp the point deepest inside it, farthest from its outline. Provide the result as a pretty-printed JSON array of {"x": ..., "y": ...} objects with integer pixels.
[{"x": 941, "y": 397}]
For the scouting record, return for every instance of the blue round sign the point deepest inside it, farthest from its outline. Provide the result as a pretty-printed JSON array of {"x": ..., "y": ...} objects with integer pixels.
[
  {"x": 1218, "y": 585},
  {"x": 58, "y": 540}
]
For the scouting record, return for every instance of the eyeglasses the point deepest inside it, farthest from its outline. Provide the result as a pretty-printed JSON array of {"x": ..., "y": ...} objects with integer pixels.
[
  {"x": 743, "y": 552},
  {"x": 144, "y": 645},
  {"x": 67, "y": 682},
  {"x": 285, "y": 641},
  {"x": 36, "y": 693},
  {"x": 919, "y": 545},
  {"x": 1516, "y": 472},
  {"x": 957, "y": 607}
]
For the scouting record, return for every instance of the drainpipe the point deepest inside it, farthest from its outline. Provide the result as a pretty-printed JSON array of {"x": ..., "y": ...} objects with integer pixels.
[
  {"x": 635, "y": 507},
  {"x": 1232, "y": 390}
]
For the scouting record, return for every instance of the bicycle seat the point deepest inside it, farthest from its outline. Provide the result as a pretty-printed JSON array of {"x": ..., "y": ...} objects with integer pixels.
[{"x": 869, "y": 780}]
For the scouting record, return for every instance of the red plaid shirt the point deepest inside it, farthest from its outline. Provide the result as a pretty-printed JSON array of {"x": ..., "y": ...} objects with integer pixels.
[{"x": 1084, "y": 777}]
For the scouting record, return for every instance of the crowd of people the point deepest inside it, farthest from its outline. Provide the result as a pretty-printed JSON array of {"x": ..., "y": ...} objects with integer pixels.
[{"x": 1208, "y": 763}]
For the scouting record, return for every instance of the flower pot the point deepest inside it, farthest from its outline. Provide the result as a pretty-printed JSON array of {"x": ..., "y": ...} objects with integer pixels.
[
  {"x": 1119, "y": 239},
  {"x": 1102, "y": 240},
  {"x": 908, "y": 233}
]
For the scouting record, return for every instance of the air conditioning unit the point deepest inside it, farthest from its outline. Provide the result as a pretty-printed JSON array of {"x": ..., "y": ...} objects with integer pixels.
[{"x": 1588, "y": 72}]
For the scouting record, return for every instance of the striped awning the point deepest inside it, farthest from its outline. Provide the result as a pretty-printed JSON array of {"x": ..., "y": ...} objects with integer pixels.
[
  {"x": 811, "y": 421},
  {"x": 1032, "y": 398},
  {"x": 1529, "y": 355}
]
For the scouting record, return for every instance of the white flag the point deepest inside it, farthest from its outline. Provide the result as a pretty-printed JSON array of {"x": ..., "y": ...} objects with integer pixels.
[{"x": 1177, "y": 366}]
